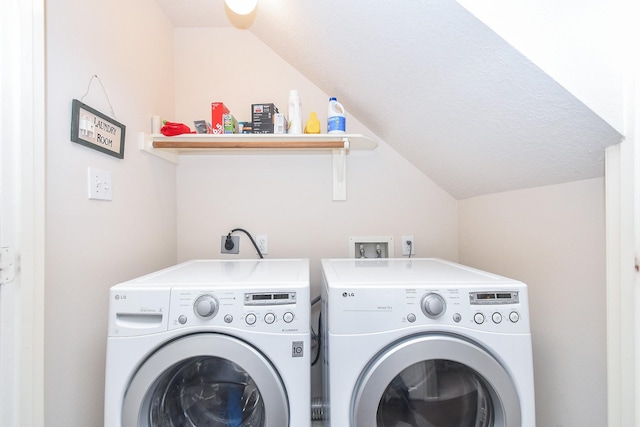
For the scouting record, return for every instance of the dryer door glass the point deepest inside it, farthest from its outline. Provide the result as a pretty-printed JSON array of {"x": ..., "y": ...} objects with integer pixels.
[
  {"x": 436, "y": 393},
  {"x": 206, "y": 391},
  {"x": 435, "y": 381}
]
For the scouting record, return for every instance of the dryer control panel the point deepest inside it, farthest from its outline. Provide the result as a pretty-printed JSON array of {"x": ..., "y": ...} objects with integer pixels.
[{"x": 368, "y": 310}]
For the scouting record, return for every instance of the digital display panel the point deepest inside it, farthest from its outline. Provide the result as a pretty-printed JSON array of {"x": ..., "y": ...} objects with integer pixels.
[
  {"x": 269, "y": 298},
  {"x": 486, "y": 298}
]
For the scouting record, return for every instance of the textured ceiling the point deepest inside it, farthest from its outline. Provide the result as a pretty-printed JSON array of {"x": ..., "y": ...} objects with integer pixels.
[{"x": 434, "y": 83}]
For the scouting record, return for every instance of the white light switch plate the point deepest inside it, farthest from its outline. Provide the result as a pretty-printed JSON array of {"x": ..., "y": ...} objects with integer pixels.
[{"x": 99, "y": 184}]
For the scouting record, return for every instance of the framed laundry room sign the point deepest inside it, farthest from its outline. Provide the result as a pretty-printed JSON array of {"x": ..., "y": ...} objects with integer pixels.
[{"x": 96, "y": 130}]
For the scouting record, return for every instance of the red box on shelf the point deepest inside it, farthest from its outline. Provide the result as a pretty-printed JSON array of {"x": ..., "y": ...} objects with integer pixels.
[{"x": 218, "y": 109}]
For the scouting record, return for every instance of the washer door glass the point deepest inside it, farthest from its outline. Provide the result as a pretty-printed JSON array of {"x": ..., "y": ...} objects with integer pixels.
[
  {"x": 206, "y": 380},
  {"x": 435, "y": 393},
  {"x": 206, "y": 391}
]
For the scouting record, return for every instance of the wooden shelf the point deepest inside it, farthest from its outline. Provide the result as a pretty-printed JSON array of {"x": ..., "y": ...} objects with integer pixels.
[
  {"x": 188, "y": 143},
  {"x": 171, "y": 148}
]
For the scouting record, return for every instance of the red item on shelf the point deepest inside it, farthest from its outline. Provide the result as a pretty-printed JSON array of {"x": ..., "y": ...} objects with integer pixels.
[
  {"x": 173, "y": 129},
  {"x": 218, "y": 109}
]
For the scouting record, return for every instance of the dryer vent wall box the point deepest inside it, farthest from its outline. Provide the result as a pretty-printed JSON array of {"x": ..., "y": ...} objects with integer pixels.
[
  {"x": 453, "y": 339},
  {"x": 237, "y": 326}
]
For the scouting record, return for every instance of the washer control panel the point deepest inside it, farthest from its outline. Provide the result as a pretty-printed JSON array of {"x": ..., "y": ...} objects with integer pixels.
[{"x": 273, "y": 311}]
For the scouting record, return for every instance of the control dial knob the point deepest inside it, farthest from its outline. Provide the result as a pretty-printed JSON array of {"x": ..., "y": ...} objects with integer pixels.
[
  {"x": 206, "y": 306},
  {"x": 433, "y": 305}
]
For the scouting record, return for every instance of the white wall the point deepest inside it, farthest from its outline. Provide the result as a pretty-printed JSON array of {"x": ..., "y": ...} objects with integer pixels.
[
  {"x": 91, "y": 245},
  {"x": 289, "y": 197},
  {"x": 553, "y": 239}
]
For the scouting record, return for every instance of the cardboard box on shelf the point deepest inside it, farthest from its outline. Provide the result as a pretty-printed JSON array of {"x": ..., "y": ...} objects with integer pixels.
[
  {"x": 218, "y": 109},
  {"x": 229, "y": 123},
  {"x": 280, "y": 124},
  {"x": 262, "y": 117},
  {"x": 245, "y": 127}
]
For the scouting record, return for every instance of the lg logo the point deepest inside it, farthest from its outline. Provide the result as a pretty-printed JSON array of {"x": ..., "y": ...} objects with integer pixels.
[
  {"x": 348, "y": 294},
  {"x": 119, "y": 297}
]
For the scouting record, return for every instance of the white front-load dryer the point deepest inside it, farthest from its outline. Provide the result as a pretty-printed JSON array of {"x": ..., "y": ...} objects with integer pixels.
[
  {"x": 426, "y": 343},
  {"x": 210, "y": 343}
]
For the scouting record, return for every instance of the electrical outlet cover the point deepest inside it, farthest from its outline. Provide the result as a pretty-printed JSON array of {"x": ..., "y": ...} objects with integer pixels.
[
  {"x": 263, "y": 243},
  {"x": 408, "y": 250},
  {"x": 236, "y": 245}
]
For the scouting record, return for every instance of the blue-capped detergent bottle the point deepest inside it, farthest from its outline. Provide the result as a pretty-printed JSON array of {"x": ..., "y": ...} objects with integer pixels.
[{"x": 336, "y": 118}]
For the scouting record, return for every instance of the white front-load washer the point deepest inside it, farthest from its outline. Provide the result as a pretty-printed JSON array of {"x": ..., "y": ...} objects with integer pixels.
[
  {"x": 211, "y": 343},
  {"x": 426, "y": 343}
]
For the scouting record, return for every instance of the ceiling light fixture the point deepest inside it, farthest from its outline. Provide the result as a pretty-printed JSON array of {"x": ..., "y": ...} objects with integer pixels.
[{"x": 241, "y": 7}]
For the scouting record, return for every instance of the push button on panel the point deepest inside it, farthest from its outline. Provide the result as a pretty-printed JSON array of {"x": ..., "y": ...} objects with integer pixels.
[
  {"x": 250, "y": 319},
  {"x": 288, "y": 317},
  {"x": 496, "y": 317},
  {"x": 478, "y": 318},
  {"x": 270, "y": 318},
  {"x": 514, "y": 316},
  {"x": 411, "y": 317}
]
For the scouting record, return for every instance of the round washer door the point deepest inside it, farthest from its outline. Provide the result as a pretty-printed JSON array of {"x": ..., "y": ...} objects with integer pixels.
[
  {"x": 205, "y": 380},
  {"x": 435, "y": 381}
]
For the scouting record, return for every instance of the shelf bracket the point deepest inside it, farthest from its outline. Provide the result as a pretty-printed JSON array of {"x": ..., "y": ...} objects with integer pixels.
[
  {"x": 146, "y": 144},
  {"x": 340, "y": 172}
]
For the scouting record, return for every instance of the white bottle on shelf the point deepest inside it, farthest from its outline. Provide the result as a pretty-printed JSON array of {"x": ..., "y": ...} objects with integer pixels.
[
  {"x": 336, "y": 117},
  {"x": 295, "y": 113}
]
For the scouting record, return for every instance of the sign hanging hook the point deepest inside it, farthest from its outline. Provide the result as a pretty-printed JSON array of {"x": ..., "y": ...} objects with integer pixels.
[{"x": 95, "y": 76}]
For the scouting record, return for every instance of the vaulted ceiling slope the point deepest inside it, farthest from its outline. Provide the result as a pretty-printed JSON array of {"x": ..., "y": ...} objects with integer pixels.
[{"x": 437, "y": 85}]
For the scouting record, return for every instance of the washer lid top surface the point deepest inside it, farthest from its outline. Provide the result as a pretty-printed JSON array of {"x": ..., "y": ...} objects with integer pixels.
[
  {"x": 254, "y": 272},
  {"x": 372, "y": 272}
]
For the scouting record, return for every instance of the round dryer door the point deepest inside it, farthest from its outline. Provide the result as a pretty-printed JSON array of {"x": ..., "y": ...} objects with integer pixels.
[
  {"x": 205, "y": 380},
  {"x": 435, "y": 381}
]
